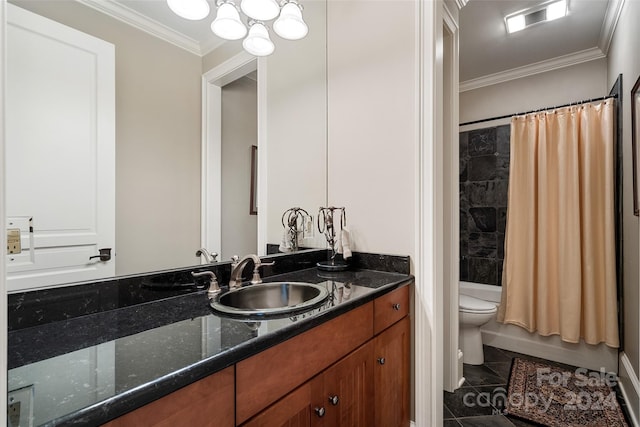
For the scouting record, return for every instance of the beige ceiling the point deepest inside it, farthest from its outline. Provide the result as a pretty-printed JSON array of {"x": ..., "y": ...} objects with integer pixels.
[{"x": 486, "y": 48}]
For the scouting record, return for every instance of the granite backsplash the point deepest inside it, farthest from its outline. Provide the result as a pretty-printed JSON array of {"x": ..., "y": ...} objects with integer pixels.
[{"x": 38, "y": 307}]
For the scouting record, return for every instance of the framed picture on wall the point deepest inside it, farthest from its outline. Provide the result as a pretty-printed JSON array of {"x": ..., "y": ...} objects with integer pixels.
[
  {"x": 635, "y": 139},
  {"x": 253, "y": 201}
]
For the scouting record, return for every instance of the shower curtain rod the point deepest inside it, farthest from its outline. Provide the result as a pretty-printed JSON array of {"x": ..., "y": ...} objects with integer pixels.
[{"x": 586, "y": 101}]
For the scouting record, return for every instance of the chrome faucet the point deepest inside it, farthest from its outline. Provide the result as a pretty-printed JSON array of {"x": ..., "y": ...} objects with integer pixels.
[
  {"x": 237, "y": 267},
  {"x": 213, "y": 288},
  {"x": 209, "y": 257}
]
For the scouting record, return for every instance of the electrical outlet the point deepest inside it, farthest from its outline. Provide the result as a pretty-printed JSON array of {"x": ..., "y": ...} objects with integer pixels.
[
  {"x": 14, "y": 414},
  {"x": 20, "y": 407},
  {"x": 13, "y": 241}
]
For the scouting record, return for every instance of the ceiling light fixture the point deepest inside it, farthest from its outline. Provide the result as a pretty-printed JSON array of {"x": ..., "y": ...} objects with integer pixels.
[
  {"x": 536, "y": 15},
  {"x": 258, "y": 42},
  {"x": 194, "y": 10},
  {"x": 260, "y": 10},
  {"x": 228, "y": 24},
  {"x": 515, "y": 23},
  {"x": 556, "y": 10},
  {"x": 290, "y": 24}
]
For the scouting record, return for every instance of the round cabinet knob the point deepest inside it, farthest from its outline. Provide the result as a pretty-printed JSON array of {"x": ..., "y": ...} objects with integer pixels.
[
  {"x": 319, "y": 412},
  {"x": 381, "y": 360},
  {"x": 396, "y": 307},
  {"x": 334, "y": 400}
]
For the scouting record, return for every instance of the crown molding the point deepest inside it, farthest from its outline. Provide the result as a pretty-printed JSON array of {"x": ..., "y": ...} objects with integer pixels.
[
  {"x": 611, "y": 17},
  {"x": 535, "y": 68},
  {"x": 143, "y": 23}
]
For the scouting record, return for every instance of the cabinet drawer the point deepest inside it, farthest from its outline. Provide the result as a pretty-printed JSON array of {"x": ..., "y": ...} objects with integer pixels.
[
  {"x": 266, "y": 377},
  {"x": 390, "y": 308}
]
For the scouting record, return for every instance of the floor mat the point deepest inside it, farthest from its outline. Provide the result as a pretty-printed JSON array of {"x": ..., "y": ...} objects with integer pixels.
[{"x": 553, "y": 396}]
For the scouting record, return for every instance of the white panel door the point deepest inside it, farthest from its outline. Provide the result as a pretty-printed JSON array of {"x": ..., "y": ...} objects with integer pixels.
[{"x": 60, "y": 152}]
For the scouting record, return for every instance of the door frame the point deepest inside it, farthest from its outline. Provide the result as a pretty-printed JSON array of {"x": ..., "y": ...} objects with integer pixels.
[
  {"x": 3, "y": 243},
  {"x": 436, "y": 261},
  {"x": 452, "y": 357},
  {"x": 211, "y": 162}
]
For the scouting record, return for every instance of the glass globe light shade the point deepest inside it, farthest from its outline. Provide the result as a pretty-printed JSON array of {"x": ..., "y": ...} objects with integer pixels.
[
  {"x": 258, "y": 42},
  {"x": 227, "y": 24},
  {"x": 290, "y": 24},
  {"x": 260, "y": 10},
  {"x": 193, "y": 10}
]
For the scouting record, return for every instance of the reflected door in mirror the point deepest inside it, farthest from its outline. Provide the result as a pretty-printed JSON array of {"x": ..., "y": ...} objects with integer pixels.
[{"x": 60, "y": 156}]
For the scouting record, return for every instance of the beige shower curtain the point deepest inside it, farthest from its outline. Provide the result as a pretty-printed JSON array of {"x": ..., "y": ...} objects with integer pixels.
[{"x": 559, "y": 274}]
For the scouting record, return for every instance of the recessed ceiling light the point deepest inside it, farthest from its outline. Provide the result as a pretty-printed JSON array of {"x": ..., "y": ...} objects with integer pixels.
[
  {"x": 515, "y": 23},
  {"x": 556, "y": 10},
  {"x": 535, "y": 15}
]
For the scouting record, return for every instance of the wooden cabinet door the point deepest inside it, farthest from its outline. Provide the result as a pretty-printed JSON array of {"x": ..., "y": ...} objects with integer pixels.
[
  {"x": 392, "y": 358},
  {"x": 294, "y": 410},
  {"x": 270, "y": 375},
  {"x": 348, "y": 391}
]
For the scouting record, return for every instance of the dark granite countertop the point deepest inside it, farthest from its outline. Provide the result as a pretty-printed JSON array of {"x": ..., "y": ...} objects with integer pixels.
[{"x": 89, "y": 369}]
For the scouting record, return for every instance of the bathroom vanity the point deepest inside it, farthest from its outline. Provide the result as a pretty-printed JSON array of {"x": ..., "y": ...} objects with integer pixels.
[{"x": 174, "y": 361}]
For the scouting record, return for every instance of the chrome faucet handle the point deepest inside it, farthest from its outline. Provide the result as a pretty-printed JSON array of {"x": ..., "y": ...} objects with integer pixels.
[
  {"x": 256, "y": 279},
  {"x": 210, "y": 257},
  {"x": 234, "y": 261},
  {"x": 213, "y": 289}
]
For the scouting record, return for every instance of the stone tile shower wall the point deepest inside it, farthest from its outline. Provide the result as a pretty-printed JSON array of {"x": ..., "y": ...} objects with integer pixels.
[{"x": 484, "y": 180}]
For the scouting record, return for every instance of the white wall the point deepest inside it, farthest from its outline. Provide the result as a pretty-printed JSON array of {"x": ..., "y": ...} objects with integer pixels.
[
  {"x": 373, "y": 112},
  {"x": 557, "y": 87},
  {"x": 623, "y": 59},
  {"x": 222, "y": 53},
  {"x": 297, "y": 125},
  {"x": 372, "y": 95},
  {"x": 239, "y": 133},
  {"x": 157, "y": 140}
]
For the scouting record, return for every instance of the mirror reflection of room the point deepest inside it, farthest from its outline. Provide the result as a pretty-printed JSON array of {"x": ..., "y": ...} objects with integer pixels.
[{"x": 151, "y": 122}]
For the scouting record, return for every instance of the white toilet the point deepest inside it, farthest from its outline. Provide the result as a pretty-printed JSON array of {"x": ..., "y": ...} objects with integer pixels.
[{"x": 474, "y": 313}]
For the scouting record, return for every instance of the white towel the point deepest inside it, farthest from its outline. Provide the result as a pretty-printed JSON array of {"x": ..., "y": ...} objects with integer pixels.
[
  {"x": 285, "y": 244},
  {"x": 287, "y": 239},
  {"x": 345, "y": 243}
]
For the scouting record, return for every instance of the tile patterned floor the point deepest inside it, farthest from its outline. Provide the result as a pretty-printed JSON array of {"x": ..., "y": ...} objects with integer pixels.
[{"x": 480, "y": 401}]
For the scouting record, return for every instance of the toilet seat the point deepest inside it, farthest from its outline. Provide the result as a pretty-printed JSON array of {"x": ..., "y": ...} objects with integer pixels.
[{"x": 470, "y": 304}]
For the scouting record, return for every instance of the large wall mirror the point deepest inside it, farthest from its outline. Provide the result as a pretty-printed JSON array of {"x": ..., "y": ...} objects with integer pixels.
[{"x": 159, "y": 123}]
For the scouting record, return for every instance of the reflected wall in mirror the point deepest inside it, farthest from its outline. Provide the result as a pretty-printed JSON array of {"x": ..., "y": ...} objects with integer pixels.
[
  {"x": 239, "y": 134},
  {"x": 296, "y": 137},
  {"x": 635, "y": 140},
  {"x": 158, "y": 135},
  {"x": 291, "y": 139}
]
